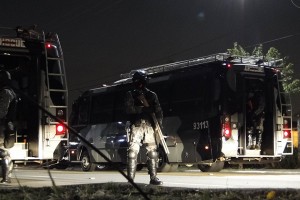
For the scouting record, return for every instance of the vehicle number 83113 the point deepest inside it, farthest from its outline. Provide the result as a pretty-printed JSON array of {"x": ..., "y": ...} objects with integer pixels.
[{"x": 200, "y": 125}]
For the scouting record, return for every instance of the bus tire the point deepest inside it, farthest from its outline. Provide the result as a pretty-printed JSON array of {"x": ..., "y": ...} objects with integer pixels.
[
  {"x": 214, "y": 167},
  {"x": 86, "y": 164},
  {"x": 163, "y": 165}
]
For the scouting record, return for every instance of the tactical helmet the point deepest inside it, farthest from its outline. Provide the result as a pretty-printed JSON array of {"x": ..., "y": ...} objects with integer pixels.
[
  {"x": 140, "y": 75},
  {"x": 139, "y": 79}
]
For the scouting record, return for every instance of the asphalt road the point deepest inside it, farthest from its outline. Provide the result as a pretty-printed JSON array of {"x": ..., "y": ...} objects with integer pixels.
[{"x": 185, "y": 178}]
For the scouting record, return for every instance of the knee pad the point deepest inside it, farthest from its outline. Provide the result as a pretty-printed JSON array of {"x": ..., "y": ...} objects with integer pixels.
[
  {"x": 152, "y": 155},
  {"x": 7, "y": 160},
  {"x": 132, "y": 154},
  {"x": 3, "y": 153}
]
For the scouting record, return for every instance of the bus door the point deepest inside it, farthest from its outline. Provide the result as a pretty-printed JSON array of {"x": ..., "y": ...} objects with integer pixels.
[{"x": 255, "y": 113}]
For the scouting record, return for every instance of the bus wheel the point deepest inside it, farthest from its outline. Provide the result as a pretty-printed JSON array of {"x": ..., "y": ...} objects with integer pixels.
[
  {"x": 163, "y": 166},
  {"x": 214, "y": 167},
  {"x": 86, "y": 164}
]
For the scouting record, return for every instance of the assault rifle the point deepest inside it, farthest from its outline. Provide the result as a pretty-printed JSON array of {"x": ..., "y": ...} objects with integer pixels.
[{"x": 157, "y": 126}]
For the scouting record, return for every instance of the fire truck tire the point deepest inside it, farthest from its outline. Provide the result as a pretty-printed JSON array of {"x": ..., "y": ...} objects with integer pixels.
[
  {"x": 86, "y": 164},
  {"x": 214, "y": 167}
]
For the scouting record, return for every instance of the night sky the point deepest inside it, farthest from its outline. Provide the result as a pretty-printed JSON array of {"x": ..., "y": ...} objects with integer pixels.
[{"x": 103, "y": 38}]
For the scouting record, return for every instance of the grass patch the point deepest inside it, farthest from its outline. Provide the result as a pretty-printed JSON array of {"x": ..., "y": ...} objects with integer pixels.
[{"x": 112, "y": 191}]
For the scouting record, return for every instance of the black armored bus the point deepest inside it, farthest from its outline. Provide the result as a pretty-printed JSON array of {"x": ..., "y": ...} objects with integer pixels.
[{"x": 219, "y": 108}]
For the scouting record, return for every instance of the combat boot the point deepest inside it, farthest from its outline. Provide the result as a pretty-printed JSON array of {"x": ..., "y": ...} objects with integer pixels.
[
  {"x": 6, "y": 180},
  {"x": 153, "y": 172},
  {"x": 155, "y": 181}
]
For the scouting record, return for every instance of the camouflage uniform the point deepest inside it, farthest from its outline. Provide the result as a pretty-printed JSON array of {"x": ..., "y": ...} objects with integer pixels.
[{"x": 142, "y": 131}]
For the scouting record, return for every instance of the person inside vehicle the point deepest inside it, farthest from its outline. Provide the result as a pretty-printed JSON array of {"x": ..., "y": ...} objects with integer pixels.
[{"x": 255, "y": 119}]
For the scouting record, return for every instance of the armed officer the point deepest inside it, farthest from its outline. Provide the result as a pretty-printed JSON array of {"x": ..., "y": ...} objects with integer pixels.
[
  {"x": 142, "y": 125},
  {"x": 255, "y": 119},
  {"x": 7, "y": 112}
]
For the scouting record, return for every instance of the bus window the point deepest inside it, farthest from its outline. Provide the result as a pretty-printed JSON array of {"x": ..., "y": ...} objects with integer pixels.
[
  {"x": 83, "y": 111},
  {"x": 102, "y": 108},
  {"x": 161, "y": 87},
  {"x": 119, "y": 109},
  {"x": 192, "y": 94},
  {"x": 231, "y": 79}
]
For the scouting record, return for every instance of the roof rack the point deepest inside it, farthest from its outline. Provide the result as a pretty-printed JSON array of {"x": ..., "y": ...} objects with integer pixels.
[
  {"x": 224, "y": 57},
  {"x": 30, "y": 33}
]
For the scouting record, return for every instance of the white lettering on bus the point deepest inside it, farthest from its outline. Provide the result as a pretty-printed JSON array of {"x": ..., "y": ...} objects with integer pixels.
[
  {"x": 200, "y": 125},
  {"x": 9, "y": 42}
]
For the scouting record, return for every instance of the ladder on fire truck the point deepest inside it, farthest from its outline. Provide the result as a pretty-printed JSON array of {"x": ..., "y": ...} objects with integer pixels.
[
  {"x": 52, "y": 41},
  {"x": 284, "y": 122}
]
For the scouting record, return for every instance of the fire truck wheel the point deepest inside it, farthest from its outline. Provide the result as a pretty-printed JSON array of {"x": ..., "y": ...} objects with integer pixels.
[
  {"x": 86, "y": 164},
  {"x": 214, "y": 167}
]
